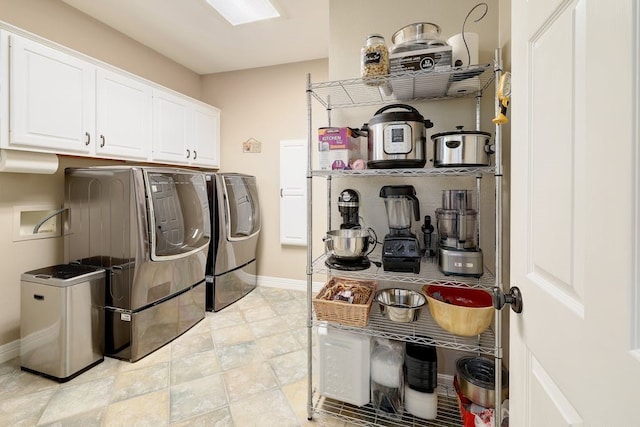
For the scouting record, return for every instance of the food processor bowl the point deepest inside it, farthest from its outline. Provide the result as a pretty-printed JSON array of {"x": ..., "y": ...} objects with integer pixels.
[{"x": 457, "y": 229}]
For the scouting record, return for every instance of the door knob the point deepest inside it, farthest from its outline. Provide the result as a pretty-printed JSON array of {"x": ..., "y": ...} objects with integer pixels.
[{"x": 514, "y": 298}]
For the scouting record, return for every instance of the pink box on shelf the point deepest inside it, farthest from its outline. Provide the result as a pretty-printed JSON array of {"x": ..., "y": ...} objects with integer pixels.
[{"x": 339, "y": 147}]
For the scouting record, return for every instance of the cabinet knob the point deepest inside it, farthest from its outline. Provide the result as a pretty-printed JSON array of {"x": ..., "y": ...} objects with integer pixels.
[
  {"x": 102, "y": 141},
  {"x": 87, "y": 140},
  {"x": 188, "y": 154},
  {"x": 195, "y": 154},
  {"x": 514, "y": 298}
]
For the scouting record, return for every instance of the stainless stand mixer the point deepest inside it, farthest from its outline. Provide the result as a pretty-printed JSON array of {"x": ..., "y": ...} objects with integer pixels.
[
  {"x": 401, "y": 249},
  {"x": 348, "y": 247},
  {"x": 458, "y": 251}
]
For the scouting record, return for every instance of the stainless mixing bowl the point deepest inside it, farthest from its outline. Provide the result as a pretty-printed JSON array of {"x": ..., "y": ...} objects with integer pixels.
[
  {"x": 347, "y": 243},
  {"x": 400, "y": 305}
]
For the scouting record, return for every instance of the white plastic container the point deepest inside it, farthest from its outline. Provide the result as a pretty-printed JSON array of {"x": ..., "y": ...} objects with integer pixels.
[
  {"x": 344, "y": 365},
  {"x": 422, "y": 405}
]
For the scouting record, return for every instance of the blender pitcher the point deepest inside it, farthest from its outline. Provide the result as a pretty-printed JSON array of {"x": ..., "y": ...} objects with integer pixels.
[{"x": 400, "y": 201}]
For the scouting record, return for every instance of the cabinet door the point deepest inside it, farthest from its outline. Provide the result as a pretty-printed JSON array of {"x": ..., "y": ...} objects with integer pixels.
[
  {"x": 205, "y": 138},
  {"x": 123, "y": 117},
  {"x": 293, "y": 192},
  {"x": 52, "y": 98},
  {"x": 170, "y": 128}
]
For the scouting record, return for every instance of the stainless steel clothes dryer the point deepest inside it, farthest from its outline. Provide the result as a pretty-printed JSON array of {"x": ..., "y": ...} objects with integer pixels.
[{"x": 235, "y": 224}]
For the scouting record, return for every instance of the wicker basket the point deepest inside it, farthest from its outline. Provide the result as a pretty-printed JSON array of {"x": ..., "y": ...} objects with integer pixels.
[{"x": 342, "y": 312}]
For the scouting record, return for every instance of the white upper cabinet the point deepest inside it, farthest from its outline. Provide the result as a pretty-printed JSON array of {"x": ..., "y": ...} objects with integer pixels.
[
  {"x": 52, "y": 99},
  {"x": 123, "y": 117},
  {"x": 65, "y": 103},
  {"x": 206, "y": 136},
  {"x": 170, "y": 128},
  {"x": 184, "y": 131}
]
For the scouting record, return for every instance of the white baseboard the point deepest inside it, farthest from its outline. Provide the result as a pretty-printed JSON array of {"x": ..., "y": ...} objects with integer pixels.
[
  {"x": 9, "y": 351},
  {"x": 12, "y": 350},
  {"x": 290, "y": 284}
]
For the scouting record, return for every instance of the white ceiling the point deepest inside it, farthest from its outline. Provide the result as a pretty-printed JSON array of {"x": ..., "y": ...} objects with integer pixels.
[{"x": 193, "y": 34}]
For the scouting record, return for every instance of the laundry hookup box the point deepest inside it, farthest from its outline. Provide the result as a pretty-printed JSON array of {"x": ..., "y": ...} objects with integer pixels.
[{"x": 341, "y": 148}]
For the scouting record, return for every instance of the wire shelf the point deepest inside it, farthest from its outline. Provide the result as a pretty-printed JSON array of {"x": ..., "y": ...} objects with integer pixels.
[
  {"x": 429, "y": 272},
  {"x": 414, "y": 86},
  {"x": 423, "y": 331},
  {"x": 448, "y": 412},
  {"x": 444, "y": 171}
]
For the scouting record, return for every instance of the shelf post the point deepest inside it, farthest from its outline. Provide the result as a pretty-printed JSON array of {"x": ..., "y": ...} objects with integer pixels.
[
  {"x": 309, "y": 252},
  {"x": 498, "y": 244}
]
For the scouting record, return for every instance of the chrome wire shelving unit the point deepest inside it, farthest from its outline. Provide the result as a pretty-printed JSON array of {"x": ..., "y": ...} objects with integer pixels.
[{"x": 408, "y": 87}]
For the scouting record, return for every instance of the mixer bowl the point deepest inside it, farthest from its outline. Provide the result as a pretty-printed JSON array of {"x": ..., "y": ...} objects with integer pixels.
[{"x": 349, "y": 244}]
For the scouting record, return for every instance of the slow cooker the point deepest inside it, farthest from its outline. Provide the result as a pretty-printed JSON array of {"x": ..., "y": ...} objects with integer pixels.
[
  {"x": 461, "y": 148},
  {"x": 397, "y": 138}
]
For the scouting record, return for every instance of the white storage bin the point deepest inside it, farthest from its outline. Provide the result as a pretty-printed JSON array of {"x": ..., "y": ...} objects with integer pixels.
[{"x": 344, "y": 365}]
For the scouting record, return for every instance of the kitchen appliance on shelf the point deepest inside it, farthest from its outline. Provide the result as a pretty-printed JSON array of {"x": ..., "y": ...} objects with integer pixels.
[
  {"x": 458, "y": 250},
  {"x": 349, "y": 206},
  {"x": 427, "y": 235},
  {"x": 231, "y": 271},
  {"x": 461, "y": 148},
  {"x": 348, "y": 247},
  {"x": 147, "y": 227},
  {"x": 397, "y": 138},
  {"x": 401, "y": 249}
]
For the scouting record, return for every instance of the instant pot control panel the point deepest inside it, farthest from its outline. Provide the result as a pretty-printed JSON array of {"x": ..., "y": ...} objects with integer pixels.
[{"x": 398, "y": 138}]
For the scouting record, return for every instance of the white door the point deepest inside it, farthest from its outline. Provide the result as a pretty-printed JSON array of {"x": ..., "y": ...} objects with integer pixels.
[
  {"x": 123, "y": 117},
  {"x": 574, "y": 203},
  {"x": 206, "y": 136},
  {"x": 293, "y": 192},
  {"x": 51, "y": 98},
  {"x": 170, "y": 128}
]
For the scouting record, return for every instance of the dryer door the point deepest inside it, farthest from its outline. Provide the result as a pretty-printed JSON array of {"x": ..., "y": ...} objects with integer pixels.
[
  {"x": 241, "y": 204},
  {"x": 179, "y": 213}
]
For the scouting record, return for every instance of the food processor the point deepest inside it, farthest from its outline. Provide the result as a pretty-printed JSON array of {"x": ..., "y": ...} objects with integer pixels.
[
  {"x": 401, "y": 249},
  {"x": 458, "y": 251}
]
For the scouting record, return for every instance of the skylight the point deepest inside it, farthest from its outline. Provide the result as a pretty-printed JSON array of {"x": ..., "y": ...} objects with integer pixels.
[{"x": 239, "y": 12}]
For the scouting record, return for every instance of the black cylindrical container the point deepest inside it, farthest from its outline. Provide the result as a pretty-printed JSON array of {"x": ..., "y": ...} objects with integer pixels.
[{"x": 421, "y": 364}]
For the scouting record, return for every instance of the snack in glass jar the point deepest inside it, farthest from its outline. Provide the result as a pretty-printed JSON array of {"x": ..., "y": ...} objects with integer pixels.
[{"x": 374, "y": 60}]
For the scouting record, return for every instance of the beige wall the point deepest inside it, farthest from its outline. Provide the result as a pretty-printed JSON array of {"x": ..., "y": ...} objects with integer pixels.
[
  {"x": 268, "y": 104},
  {"x": 56, "y": 21}
]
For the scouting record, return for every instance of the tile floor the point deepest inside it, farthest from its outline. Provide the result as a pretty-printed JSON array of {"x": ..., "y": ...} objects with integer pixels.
[{"x": 243, "y": 366}]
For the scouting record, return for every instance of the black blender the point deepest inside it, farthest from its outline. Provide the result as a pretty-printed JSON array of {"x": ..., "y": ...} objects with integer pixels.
[{"x": 401, "y": 249}]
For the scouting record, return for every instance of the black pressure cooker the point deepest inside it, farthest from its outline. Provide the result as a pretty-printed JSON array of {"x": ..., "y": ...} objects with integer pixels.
[{"x": 397, "y": 139}]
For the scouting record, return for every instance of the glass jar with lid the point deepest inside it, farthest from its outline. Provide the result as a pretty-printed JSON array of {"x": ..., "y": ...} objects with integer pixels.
[{"x": 374, "y": 60}]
